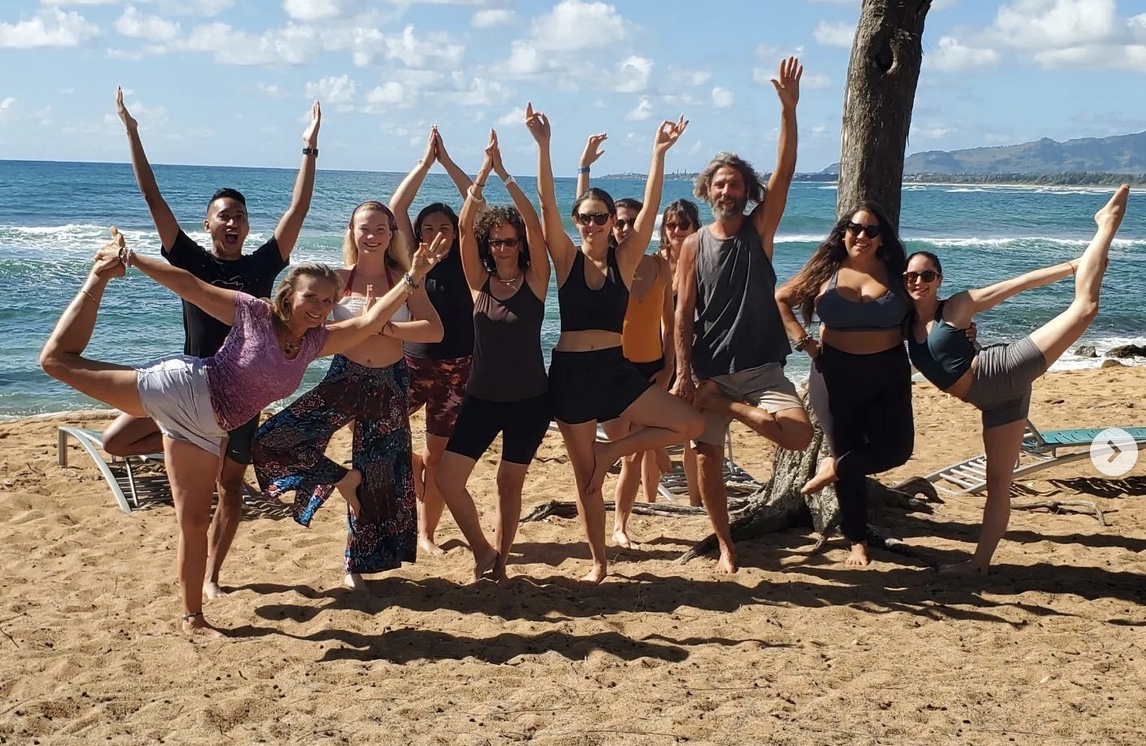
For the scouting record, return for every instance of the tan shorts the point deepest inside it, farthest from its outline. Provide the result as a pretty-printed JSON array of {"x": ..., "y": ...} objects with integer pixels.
[{"x": 765, "y": 387}]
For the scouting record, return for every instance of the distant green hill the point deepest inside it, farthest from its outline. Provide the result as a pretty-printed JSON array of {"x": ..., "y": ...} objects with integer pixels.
[{"x": 1120, "y": 154}]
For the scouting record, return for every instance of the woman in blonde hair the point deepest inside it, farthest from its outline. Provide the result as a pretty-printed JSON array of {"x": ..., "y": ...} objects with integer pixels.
[
  {"x": 196, "y": 401},
  {"x": 368, "y": 385}
]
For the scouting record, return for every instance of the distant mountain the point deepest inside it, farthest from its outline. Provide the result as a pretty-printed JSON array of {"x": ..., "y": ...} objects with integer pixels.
[{"x": 1122, "y": 154}]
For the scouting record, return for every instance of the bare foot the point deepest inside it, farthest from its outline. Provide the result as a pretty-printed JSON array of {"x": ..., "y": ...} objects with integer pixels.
[
  {"x": 602, "y": 462},
  {"x": 213, "y": 590},
  {"x": 707, "y": 395},
  {"x": 485, "y": 562},
  {"x": 967, "y": 567},
  {"x": 824, "y": 476},
  {"x": 622, "y": 539},
  {"x": 596, "y": 575},
  {"x": 427, "y": 546},
  {"x": 1112, "y": 212},
  {"x": 858, "y": 557},
  {"x": 726, "y": 565},
  {"x": 355, "y": 582},
  {"x": 197, "y": 628}
]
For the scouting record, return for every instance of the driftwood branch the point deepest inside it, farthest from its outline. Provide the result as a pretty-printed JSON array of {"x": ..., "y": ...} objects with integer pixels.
[{"x": 1058, "y": 505}]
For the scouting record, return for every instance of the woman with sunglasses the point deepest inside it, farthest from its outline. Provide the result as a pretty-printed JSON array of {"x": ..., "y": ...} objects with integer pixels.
[
  {"x": 367, "y": 385},
  {"x": 589, "y": 378},
  {"x": 997, "y": 379},
  {"x": 504, "y": 255},
  {"x": 860, "y": 382}
]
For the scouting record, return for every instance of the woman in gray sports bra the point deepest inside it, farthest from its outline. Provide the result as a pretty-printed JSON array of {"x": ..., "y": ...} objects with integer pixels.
[
  {"x": 860, "y": 382},
  {"x": 997, "y": 379}
]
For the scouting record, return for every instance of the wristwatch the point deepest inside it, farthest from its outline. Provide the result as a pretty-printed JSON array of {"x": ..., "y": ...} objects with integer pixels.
[{"x": 310, "y": 151}]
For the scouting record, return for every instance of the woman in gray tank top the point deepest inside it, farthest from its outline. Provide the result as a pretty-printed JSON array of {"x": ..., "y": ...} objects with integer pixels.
[{"x": 997, "y": 380}]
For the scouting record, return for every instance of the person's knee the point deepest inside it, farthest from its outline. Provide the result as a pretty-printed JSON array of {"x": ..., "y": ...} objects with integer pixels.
[
  {"x": 194, "y": 520},
  {"x": 509, "y": 484},
  {"x": 795, "y": 435}
]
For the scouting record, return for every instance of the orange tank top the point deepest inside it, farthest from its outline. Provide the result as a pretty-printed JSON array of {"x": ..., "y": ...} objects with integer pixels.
[{"x": 641, "y": 335}]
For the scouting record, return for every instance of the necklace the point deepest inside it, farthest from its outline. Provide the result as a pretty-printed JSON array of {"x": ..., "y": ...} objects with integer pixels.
[
  {"x": 509, "y": 282},
  {"x": 291, "y": 346}
]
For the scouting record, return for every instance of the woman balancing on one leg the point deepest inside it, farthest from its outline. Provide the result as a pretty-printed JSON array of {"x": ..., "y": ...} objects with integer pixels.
[
  {"x": 860, "y": 383},
  {"x": 997, "y": 379},
  {"x": 196, "y": 401},
  {"x": 507, "y": 268},
  {"x": 369, "y": 386},
  {"x": 589, "y": 378}
]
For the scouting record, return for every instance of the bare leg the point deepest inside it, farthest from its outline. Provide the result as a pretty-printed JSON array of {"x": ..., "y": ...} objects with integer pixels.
[
  {"x": 224, "y": 525},
  {"x": 432, "y": 504},
  {"x": 579, "y": 444},
  {"x": 1058, "y": 334},
  {"x": 788, "y": 428},
  {"x": 651, "y": 472},
  {"x": 710, "y": 466},
  {"x": 348, "y": 488},
  {"x": 132, "y": 436},
  {"x": 1001, "y": 445},
  {"x": 692, "y": 475},
  {"x": 625, "y": 491},
  {"x": 452, "y": 474},
  {"x": 510, "y": 481}
]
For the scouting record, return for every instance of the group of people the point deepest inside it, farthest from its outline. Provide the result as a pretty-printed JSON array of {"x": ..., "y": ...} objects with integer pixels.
[{"x": 659, "y": 349}]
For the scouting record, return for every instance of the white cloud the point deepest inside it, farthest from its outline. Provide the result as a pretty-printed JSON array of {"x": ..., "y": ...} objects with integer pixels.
[
  {"x": 1057, "y": 24},
  {"x": 390, "y": 93},
  {"x": 951, "y": 55},
  {"x": 6, "y": 108},
  {"x": 332, "y": 90},
  {"x": 689, "y": 77},
  {"x": 414, "y": 52},
  {"x": 293, "y": 45},
  {"x": 271, "y": 90},
  {"x": 834, "y": 34},
  {"x": 197, "y": 8},
  {"x": 313, "y": 10},
  {"x": 929, "y": 132},
  {"x": 492, "y": 17},
  {"x": 138, "y": 26},
  {"x": 479, "y": 91},
  {"x": 511, "y": 117},
  {"x": 643, "y": 110},
  {"x": 561, "y": 39},
  {"x": 632, "y": 74},
  {"x": 722, "y": 98},
  {"x": 50, "y": 28}
]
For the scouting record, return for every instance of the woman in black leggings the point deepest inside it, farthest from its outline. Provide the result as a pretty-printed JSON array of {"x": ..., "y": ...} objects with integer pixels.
[{"x": 860, "y": 384}]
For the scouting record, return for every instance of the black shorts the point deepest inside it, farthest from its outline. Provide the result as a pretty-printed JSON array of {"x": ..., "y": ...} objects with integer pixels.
[
  {"x": 239, "y": 442},
  {"x": 648, "y": 370},
  {"x": 522, "y": 425},
  {"x": 596, "y": 385}
]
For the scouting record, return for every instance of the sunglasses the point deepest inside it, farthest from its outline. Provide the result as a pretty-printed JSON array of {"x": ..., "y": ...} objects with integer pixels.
[
  {"x": 509, "y": 243},
  {"x": 927, "y": 275},
  {"x": 858, "y": 229},
  {"x": 622, "y": 223},
  {"x": 678, "y": 226},
  {"x": 584, "y": 218}
]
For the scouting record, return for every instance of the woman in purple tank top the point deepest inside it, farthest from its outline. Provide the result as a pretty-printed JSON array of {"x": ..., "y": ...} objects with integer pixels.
[{"x": 196, "y": 401}]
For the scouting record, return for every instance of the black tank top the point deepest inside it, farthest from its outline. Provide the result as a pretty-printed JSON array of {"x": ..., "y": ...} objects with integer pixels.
[
  {"x": 507, "y": 363},
  {"x": 583, "y": 308}
]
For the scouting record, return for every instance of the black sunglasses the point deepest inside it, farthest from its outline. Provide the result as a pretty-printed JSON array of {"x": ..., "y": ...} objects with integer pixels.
[
  {"x": 622, "y": 222},
  {"x": 584, "y": 218},
  {"x": 927, "y": 275},
  {"x": 859, "y": 229},
  {"x": 509, "y": 243}
]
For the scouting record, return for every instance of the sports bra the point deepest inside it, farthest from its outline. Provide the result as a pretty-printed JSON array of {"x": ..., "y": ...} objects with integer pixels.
[
  {"x": 583, "y": 308},
  {"x": 351, "y": 306},
  {"x": 944, "y": 355},
  {"x": 841, "y": 314}
]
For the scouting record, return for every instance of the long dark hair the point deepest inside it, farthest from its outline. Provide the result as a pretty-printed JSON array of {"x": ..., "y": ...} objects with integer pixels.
[
  {"x": 429, "y": 210},
  {"x": 826, "y": 260},
  {"x": 492, "y": 218}
]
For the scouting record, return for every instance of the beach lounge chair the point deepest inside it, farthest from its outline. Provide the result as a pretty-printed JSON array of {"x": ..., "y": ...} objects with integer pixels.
[
  {"x": 1040, "y": 450},
  {"x": 131, "y": 489}
]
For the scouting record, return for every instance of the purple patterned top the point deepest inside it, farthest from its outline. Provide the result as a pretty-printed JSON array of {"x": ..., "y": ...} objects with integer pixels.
[{"x": 250, "y": 371}]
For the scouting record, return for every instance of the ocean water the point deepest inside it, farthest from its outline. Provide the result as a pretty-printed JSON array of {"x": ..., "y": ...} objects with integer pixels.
[{"x": 53, "y": 216}]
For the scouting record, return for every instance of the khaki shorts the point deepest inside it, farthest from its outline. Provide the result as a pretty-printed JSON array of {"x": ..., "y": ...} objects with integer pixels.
[{"x": 765, "y": 387}]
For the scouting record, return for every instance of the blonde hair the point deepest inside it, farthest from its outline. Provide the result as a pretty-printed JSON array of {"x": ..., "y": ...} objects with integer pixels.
[
  {"x": 398, "y": 253},
  {"x": 285, "y": 292}
]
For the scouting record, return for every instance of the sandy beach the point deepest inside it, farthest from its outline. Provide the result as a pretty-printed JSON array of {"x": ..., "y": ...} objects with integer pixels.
[{"x": 1049, "y": 649}]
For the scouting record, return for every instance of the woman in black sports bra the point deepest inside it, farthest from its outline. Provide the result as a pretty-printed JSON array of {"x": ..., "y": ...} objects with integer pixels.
[
  {"x": 589, "y": 378},
  {"x": 860, "y": 383}
]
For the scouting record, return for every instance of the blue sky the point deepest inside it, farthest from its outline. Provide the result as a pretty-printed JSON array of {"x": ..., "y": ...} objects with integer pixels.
[{"x": 229, "y": 82}]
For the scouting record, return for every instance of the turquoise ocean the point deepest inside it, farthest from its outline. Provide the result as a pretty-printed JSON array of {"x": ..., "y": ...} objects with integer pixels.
[{"x": 54, "y": 215}]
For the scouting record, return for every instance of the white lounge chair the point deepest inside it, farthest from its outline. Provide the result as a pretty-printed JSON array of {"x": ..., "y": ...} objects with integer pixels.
[
  {"x": 130, "y": 489},
  {"x": 1040, "y": 450}
]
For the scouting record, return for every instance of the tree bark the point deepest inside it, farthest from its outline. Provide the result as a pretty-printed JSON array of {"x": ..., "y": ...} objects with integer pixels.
[{"x": 882, "y": 76}]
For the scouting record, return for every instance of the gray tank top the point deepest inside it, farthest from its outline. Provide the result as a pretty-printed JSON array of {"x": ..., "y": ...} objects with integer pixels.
[{"x": 737, "y": 324}]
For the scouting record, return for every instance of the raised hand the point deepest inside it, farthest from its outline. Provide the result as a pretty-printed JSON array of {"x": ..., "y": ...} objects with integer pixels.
[
  {"x": 433, "y": 146},
  {"x": 788, "y": 86},
  {"x": 428, "y": 255},
  {"x": 310, "y": 134},
  {"x": 668, "y": 133},
  {"x": 493, "y": 151},
  {"x": 593, "y": 149},
  {"x": 440, "y": 148},
  {"x": 124, "y": 114},
  {"x": 537, "y": 124}
]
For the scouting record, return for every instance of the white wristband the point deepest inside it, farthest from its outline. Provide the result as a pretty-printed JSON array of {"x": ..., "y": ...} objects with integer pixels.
[{"x": 509, "y": 180}]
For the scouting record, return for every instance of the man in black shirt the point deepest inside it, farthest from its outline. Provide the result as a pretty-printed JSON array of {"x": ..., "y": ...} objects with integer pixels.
[{"x": 224, "y": 265}]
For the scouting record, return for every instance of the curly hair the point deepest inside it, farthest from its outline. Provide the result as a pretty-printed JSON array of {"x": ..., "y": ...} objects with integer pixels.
[
  {"x": 828, "y": 257},
  {"x": 754, "y": 184},
  {"x": 494, "y": 217},
  {"x": 285, "y": 292},
  {"x": 398, "y": 253}
]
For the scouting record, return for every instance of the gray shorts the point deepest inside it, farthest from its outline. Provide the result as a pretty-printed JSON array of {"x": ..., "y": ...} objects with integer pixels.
[
  {"x": 173, "y": 391},
  {"x": 1001, "y": 381},
  {"x": 765, "y": 387}
]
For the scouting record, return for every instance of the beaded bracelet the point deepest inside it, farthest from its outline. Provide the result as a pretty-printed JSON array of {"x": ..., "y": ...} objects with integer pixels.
[{"x": 409, "y": 280}]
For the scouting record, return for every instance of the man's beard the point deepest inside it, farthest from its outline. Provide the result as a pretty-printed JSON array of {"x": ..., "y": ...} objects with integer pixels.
[{"x": 723, "y": 210}]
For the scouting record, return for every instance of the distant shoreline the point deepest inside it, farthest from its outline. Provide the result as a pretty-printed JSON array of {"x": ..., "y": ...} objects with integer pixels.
[{"x": 1070, "y": 179}]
